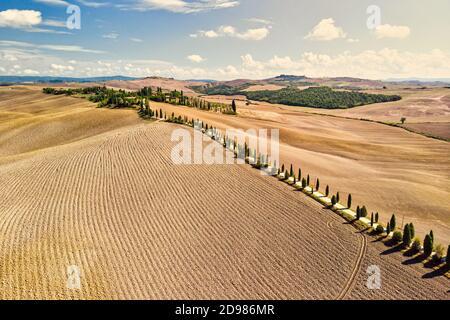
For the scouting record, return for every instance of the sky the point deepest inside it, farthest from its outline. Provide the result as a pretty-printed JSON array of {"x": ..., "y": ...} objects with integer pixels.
[{"x": 225, "y": 39}]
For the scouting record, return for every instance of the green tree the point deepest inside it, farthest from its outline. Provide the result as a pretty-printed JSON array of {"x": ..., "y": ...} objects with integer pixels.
[
  {"x": 371, "y": 220},
  {"x": 349, "y": 201},
  {"x": 333, "y": 200},
  {"x": 388, "y": 228},
  {"x": 308, "y": 180},
  {"x": 304, "y": 183},
  {"x": 291, "y": 171},
  {"x": 407, "y": 235},
  {"x": 233, "y": 106},
  {"x": 337, "y": 197},
  {"x": 299, "y": 174},
  {"x": 432, "y": 235},
  {"x": 412, "y": 230},
  {"x": 327, "y": 191},
  {"x": 376, "y": 217},
  {"x": 364, "y": 212},
  {"x": 427, "y": 245},
  {"x": 317, "y": 184},
  {"x": 393, "y": 223}
]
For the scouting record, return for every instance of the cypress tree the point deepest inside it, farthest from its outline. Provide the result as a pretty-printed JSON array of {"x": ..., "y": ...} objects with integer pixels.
[
  {"x": 303, "y": 183},
  {"x": 286, "y": 175},
  {"x": 317, "y": 184},
  {"x": 427, "y": 245},
  {"x": 307, "y": 180},
  {"x": 407, "y": 235},
  {"x": 393, "y": 223},
  {"x": 282, "y": 168},
  {"x": 327, "y": 191},
  {"x": 432, "y": 235},
  {"x": 376, "y": 217},
  {"x": 299, "y": 174},
  {"x": 371, "y": 220},
  {"x": 349, "y": 201},
  {"x": 388, "y": 228},
  {"x": 333, "y": 200},
  {"x": 337, "y": 197},
  {"x": 412, "y": 230},
  {"x": 291, "y": 172},
  {"x": 233, "y": 106},
  {"x": 358, "y": 214}
]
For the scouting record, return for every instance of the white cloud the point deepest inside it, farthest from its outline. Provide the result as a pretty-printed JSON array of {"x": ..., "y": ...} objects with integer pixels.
[
  {"x": 30, "y": 72},
  {"x": 112, "y": 35},
  {"x": 230, "y": 31},
  {"x": 180, "y": 6},
  {"x": 93, "y": 4},
  {"x": 14, "y": 18},
  {"x": 54, "y": 23},
  {"x": 326, "y": 30},
  {"x": 261, "y": 21},
  {"x": 53, "y": 2},
  {"x": 388, "y": 31},
  {"x": 381, "y": 64},
  {"x": 31, "y": 46},
  {"x": 136, "y": 40},
  {"x": 196, "y": 58},
  {"x": 61, "y": 68}
]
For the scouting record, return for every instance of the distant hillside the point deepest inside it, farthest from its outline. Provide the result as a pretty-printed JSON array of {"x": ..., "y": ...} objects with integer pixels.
[{"x": 48, "y": 79}]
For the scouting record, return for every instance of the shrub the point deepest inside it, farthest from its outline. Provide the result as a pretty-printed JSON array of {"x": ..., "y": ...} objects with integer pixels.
[
  {"x": 397, "y": 237},
  {"x": 379, "y": 229},
  {"x": 416, "y": 245},
  {"x": 427, "y": 245},
  {"x": 364, "y": 212},
  {"x": 439, "y": 250}
]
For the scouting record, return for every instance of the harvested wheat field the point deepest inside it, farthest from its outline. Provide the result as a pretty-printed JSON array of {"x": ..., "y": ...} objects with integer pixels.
[
  {"x": 388, "y": 169},
  {"x": 138, "y": 226}
]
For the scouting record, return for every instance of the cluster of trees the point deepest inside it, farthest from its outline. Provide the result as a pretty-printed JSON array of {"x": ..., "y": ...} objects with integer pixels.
[
  {"x": 319, "y": 97},
  {"x": 131, "y": 99},
  {"x": 176, "y": 97}
]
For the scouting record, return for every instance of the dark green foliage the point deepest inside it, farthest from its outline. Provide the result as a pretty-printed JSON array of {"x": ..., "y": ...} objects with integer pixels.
[
  {"x": 397, "y": 237},
  {"x": 327, "y": 191},
  {"x": 333, "y": 200},
  {"x": 337, "y": 197},
  {"x": 317, "y": 184},
  {"x": 371, "y": 220},
  {"x": 393, "y": 223},
  {"x": 304, "y": 183},
  {"x": 349, "y": 201},
  {"x": 291, "y": 171},
  {"x": 299, "y": 174},
  {"x": 233, "y": 106},
  {"x": 412, "y": 230},
  {"x": 319, "y": 97},
  {"x": 364, "y": 212},
  {"x": 407, "y": 235},
  {"x": 376, "y": 217},
  {"x": 427, "y": 245},
  {"x": 388, "y": 228},
  {"x": 379, "y": 229},
  {"x": 307, "y": 180}
]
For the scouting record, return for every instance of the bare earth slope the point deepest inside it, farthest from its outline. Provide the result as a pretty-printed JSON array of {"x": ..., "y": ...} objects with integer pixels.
[{"x": 140, "y": 227}]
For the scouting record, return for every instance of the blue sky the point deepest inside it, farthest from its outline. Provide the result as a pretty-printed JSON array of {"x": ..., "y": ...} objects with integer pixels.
[{"x": 226, "y": 39}]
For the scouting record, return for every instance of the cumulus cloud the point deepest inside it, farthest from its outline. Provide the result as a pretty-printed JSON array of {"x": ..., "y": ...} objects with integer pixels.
[
  {"x": 59, "y": 67},
  {"x": 13, "y": 18},
  {"x": 381, "y": 64},
  {"x": 196, "y": 58},
  {"x": 230, "y": 31},
  {"x": 389, "y": 31},
  {"x": 326, "y": 30},
  {"x": 180, "y": 6}
]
